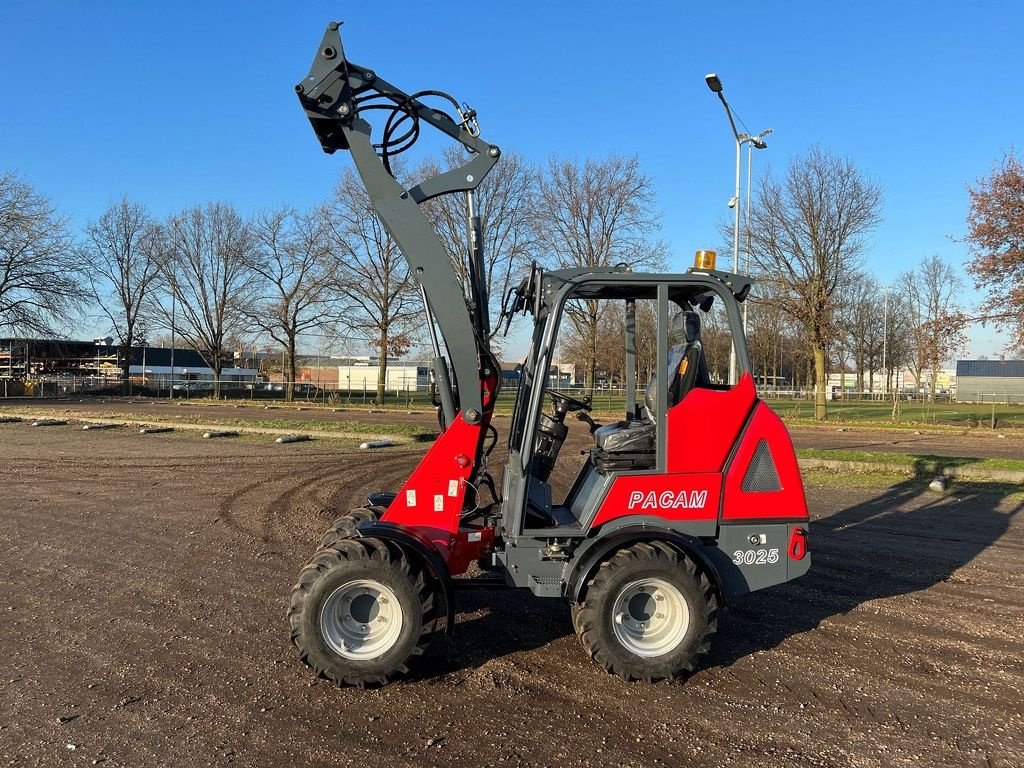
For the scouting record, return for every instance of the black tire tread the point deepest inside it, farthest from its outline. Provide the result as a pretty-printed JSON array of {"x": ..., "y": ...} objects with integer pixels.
[
  {"x": 345, "y": 527},
  {"x": 340, "y": 551},
  {"x": 585, "y": 618}
]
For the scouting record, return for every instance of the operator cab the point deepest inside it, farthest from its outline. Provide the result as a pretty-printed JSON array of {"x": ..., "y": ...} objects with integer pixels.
[
  {"x": 663, "y": 339},
  {"x": 630, "y": 444}
]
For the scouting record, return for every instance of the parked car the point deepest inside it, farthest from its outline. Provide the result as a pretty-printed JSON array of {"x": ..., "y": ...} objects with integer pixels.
[{"x": 194, "y": 387}]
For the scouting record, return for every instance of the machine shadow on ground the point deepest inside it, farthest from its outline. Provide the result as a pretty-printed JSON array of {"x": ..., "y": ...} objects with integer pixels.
[
  {"x": 500, "y": 623},
  {"x": 902, "y": 541}
]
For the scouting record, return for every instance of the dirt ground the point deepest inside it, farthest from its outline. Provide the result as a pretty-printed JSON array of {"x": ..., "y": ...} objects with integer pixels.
[{"x": 144, "y": 582}]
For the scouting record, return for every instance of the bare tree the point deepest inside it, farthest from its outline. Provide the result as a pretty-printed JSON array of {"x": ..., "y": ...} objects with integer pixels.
[
  {"x": 766, "y": 332},
  {"x": 122, "y": 252},
  {"x": 596, "y": 213},
  {"x": 505, "y": 203},
  {"x": 808, "y": 231},
  {"x": 206, "y": 271},
  {"x": 373, "y": 276},
  {"x": 292, "y": 259},
  {"x": 899, "y": 346},
  {"x": 40, "y": 284},
  {"x": 937, "y": 326},
  {"x": 996, "y": 236},
  {"x": 863, "y": 322}
]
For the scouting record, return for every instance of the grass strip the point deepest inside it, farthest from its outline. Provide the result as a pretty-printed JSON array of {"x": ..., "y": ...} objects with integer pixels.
[{"x": 921, "y": 462}]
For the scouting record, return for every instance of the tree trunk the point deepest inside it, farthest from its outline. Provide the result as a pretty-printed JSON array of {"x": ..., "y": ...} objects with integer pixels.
[
  {"x": 382, "y": 367},
  {"x": 931, "y": 387},
  {"x": 289, "y": 358},
  {"x": 820, "y": 401},
  {"x": 592, "y": 367},
  {"x": 126, "y": 365},
  {"x": 917, "y": 382},
  {"x": 217, "y": 368}
]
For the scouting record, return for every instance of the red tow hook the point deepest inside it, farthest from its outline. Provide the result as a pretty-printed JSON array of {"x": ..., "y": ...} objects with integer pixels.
[{"x": 797, "y": 544}]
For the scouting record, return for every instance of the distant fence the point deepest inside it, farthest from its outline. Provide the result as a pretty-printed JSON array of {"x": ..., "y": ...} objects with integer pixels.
[{"x": 408, "y": 393}]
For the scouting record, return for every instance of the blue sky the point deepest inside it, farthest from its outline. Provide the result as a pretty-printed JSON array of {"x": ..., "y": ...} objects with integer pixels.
[{"x": 177, "y": 103}]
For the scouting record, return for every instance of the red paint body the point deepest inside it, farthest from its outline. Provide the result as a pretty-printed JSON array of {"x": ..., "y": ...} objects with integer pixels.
[
  {"x": 431, "y": 500},
  {"x": 703, "y": 483},
  {"x": 703, "y": 426},
  {"x": 789, "y": 502},
  {"x": 703, "y": 429},
  {"x": 667, "y": 490}
]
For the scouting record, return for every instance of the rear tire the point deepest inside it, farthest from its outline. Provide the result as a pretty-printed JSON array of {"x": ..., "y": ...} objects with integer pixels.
[
  {"x": 360, "y": 611},
  {"x": 345, "y": 527},
  {"x": 648, "y": 613}
]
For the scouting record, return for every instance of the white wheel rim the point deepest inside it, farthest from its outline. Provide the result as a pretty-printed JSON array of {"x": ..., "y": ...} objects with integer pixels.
[
  {"x": 650, "y": 617},
  {"x": 361, "y": 619}
]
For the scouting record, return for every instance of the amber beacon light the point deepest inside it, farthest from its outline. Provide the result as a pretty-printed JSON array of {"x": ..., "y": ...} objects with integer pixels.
[{"x": 705, "y": 260}]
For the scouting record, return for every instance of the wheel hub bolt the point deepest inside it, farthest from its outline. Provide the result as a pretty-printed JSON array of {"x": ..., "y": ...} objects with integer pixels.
[
  {"x": 383, "y": 601},
  {"x": 659, "y": 597},
  {"x": 659, "y": 615},
  {"x": 363, "y": 627}
]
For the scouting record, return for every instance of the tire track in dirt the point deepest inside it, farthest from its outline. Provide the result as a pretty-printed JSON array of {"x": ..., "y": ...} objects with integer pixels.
[{"x": 287, "y": 506}]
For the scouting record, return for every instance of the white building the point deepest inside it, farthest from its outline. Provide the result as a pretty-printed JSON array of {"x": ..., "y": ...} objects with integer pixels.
[{"x": 361, "y": 375}]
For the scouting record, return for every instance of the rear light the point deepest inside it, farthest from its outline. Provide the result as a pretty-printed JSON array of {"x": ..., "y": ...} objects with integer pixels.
[{"x": 797, "y": 544}]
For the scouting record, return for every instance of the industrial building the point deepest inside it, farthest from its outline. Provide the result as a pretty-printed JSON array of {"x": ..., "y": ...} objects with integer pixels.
[
  {"x": 71, "y": 365},
  {"x": 988, "y": 381}
]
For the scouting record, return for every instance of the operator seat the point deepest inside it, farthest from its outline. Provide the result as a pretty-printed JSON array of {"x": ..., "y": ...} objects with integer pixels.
[
  {"x": 686, "y": 364},
  {"x": 631, "y": 444}
]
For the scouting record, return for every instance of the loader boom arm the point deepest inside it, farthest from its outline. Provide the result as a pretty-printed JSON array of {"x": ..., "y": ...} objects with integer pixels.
[{"x": 337, "y": 96}]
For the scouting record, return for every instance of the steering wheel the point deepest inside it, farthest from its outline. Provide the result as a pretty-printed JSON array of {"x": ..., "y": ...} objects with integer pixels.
[{"x": 565, "y": 404}]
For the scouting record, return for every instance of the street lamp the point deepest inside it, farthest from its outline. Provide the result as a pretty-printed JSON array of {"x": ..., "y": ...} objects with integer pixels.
[{"x": 714, "y": 83}]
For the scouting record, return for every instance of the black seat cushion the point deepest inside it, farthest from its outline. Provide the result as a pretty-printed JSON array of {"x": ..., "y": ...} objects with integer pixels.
[
  {"x": 626, "y": 436},
  {"x": 623, "y": 446}
]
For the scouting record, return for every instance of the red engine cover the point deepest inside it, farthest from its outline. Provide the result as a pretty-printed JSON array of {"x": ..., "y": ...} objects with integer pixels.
[
  {"x": 789, "y": 500},
  {"x": 704, "y": 425}
]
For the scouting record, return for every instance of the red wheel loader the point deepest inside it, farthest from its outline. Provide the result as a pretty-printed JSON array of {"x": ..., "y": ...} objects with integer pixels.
[{"x": 692, "y": 498}]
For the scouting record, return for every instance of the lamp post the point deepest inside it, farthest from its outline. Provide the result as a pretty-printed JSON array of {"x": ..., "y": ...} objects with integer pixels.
[
  {"x": 756, "y": 142},
  {"x": 714, "y": 83}
]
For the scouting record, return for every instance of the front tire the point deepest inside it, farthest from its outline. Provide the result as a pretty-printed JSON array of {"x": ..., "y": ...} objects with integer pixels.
[
  {"x": 360, "y": 612},
  {"x": 648, "y": 613}
]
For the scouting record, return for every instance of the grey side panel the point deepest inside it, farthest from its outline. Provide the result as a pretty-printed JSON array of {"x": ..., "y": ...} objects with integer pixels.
[
  {"x": 746, "y": 566},
  {"x": 624, "y": 532},
  {"x": 525, "y": 567}
]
